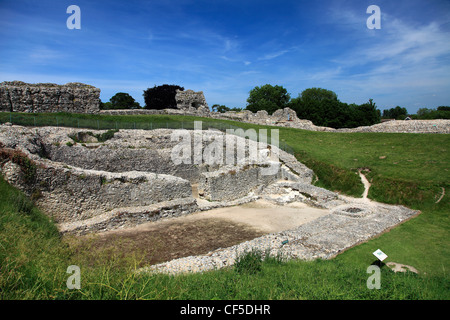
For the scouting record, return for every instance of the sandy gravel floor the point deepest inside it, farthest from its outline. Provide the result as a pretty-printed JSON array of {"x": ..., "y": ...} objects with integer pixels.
[{"x": 201, "y": 232}]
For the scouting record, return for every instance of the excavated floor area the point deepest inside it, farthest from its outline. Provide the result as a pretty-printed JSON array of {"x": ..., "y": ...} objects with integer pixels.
[{"x": 199, "y": 233}]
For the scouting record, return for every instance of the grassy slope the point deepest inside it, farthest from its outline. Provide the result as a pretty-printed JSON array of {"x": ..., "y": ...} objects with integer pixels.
[{"x": 33, "y": 265}]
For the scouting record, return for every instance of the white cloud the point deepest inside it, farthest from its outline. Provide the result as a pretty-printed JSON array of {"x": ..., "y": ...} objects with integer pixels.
[{"x": 273, "y": 55}]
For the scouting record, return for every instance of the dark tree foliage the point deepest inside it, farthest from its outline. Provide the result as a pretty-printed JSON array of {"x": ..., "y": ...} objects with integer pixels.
[
  {"x": 323, "y": 108},
  {"x": 398, "y": 113},
  {"x": 220, "y": 108},
  {"x": 442, "y": 112},
  {"x": 443, "y": 108},
  {"x": 161, "y": 97},
  {"x": 120, "y": 100},
  {"x": 267, "y": 97},
  {"x": 367, "y": 114}
]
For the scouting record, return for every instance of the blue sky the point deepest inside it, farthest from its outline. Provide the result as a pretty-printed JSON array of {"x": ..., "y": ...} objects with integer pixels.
[{"x": 226, "y": 48}]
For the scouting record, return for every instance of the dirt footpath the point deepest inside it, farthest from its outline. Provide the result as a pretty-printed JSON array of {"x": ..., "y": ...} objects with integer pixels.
[{"x": 201, "y": 232}]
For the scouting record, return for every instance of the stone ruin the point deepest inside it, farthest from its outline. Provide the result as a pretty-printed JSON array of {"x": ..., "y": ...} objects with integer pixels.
[
  {"x": 288, "y": 118},
  {"x": 87, "y": 185},
  {"x": 191, "y": 101},
  {"x": 17, "y": 96}
]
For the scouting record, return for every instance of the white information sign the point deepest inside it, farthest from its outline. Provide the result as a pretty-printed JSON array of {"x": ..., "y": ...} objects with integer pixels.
[{"x": 380, "y": 255}]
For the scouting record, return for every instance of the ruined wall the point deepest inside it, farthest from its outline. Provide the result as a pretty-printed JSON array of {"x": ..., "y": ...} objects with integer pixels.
[
  {"x": 77, "y": 194},
  {"x": 288, "y": 118},
  {"x": 233, "y": 182},
  {"x": 87, "y": 185},
  {"x": 191, "y": 101},
  {"x": 17, "y": 96}
]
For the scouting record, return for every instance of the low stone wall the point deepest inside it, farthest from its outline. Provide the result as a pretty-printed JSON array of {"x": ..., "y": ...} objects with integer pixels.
[
  {"x": 288, "y": 118},
  {"x": 73, "y": 194},
  {"x": 17, "y": 96}
]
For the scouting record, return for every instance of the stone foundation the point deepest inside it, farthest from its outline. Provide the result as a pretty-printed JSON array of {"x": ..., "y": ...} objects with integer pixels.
[{"x": 89, "y": 186}]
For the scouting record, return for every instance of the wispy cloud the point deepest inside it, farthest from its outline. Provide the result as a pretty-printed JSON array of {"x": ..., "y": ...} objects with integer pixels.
[{"x": 273, "y": 55}]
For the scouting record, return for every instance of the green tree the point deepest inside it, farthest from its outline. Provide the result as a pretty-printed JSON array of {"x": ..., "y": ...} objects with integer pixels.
[
  {"x": 220, "y": 108},
  {"x": 318, "y": 95},
  {"x": 367, "y": 114},
  {"x": 398, "y": 113},
  {"x": 441, "y": 112},
  {"x": 323, "y": 108},
  {"x": 121, "y": 100},
  {"x": 267, "y": 97}
]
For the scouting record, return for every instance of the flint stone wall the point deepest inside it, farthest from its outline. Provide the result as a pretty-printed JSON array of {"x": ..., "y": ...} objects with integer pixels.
[
  {"x": 77, "y": 194},
  {"x": 288, "y": 118},
  {"x": 17, "y": 96},
  {"x": 69, "y": 193},
  {"x": 190, "y": 100},
  {"x": 234, "y": 182},
  {"x": 88, "y": 186},
  {"x": 151, "y": 151}
]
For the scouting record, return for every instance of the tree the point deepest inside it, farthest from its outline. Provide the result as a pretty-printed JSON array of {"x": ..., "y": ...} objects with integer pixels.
[
  {"x": 443, "y": 108},
  {"x": 441, "y": 112},
  {"x": 367, "y": 114},
  {"x": 220, "y": 108},
  {"x": 161, "y": 97},
  {"x": 318, "y": 95},
  {"x": 267, "y": 97},
  {"x": 319, "y": 105},
  {"x": 120, "y": 100},
  {"x": 323, "y": 108},
  {"x": 395, "y": 113}
]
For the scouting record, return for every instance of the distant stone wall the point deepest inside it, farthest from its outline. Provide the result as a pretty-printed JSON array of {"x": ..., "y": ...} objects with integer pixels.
[
  {"x": 17, "y": 96},
  {"x": 288, "y": 118}
]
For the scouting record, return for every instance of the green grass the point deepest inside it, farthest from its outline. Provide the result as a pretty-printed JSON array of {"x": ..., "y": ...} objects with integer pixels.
[{"x": 412, "y": 172}]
